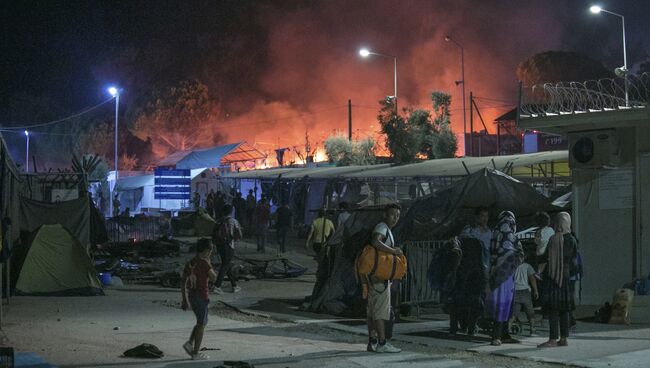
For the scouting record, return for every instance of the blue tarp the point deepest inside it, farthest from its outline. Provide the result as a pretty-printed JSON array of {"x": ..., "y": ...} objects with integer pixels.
[{"x": 203, "y": 158}]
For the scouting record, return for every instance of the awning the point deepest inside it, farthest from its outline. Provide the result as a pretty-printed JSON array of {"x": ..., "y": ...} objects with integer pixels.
[{"x": 213, "y": 157}]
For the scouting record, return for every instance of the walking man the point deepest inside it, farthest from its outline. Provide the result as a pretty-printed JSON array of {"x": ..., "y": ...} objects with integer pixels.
[
  {"x": 226, "y": 232},
  {"x": 377, "y": 291},
  {"x": 262, "y": 218},
  {"x": 283, "y": 218},
  {"x": 194, "y": 289}
]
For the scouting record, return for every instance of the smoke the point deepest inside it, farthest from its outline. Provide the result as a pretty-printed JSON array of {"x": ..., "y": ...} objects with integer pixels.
[{"x": 313, "y": 66}]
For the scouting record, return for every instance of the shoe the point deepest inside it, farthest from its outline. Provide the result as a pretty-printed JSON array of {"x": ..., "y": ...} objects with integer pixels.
[
  {"x": 200, "y": 356},
  {"x": 372, "y": 347},
  {"x": 496, "y": 342},
  {"x": 188, "y": 348},
  {"x": 562, "y": 342},
  {"x": 236, "y": 289},
  {"x": 218, "y": 290},
  {"x": 387, "y": 348},
  {"x": 548, "y": 344}
]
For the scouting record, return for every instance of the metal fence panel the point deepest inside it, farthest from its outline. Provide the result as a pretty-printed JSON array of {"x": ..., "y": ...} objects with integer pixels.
[
  {"x": 416, "y": 289},
  {"x": 121, "y": 229}
]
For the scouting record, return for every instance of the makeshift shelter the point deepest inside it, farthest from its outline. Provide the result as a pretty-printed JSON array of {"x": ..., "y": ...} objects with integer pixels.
[
  {"x": 74, "y": 215},
  {"x": 433, "y": 217},
  {"x": 444, "y": 213},
  {"x": 55, "y": 264}
]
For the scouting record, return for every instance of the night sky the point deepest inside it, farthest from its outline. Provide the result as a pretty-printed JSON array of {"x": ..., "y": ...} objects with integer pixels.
[{"x": 277, "y": 68}]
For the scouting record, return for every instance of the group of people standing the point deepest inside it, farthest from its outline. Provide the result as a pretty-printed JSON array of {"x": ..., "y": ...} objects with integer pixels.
[{"x": 490, "y": 276}]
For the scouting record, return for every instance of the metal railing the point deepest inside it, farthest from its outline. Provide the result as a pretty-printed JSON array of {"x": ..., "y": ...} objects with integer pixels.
[
  {"x": 415, "y": 289},
  {"x": 122, "y": 229}
]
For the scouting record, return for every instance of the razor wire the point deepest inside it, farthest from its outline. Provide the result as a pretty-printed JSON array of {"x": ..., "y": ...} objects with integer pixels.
[{"x": 563, "y": 98}]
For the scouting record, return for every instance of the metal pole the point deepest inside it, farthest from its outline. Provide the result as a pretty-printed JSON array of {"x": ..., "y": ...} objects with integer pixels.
[
  {"x": 395, "y": 75},
  {"x": 462, "y": 76},
  {"x": 627, "y": 101},
  {"x": 350, "y": 120},
  {"x": 117, "y": 107},
  {"x": 27, "y": 153},
  {"x": 471, "y": 124}
]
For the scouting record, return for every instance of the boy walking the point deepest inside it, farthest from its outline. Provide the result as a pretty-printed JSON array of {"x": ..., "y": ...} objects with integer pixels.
[
  {"x": 194, "y": 289},
  {"x": 378, "y": 291},
  {"x": 525, "y": 281}
]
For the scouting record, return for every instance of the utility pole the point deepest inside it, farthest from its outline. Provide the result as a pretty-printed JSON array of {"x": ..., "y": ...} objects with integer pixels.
[
  {"x": 350, "y": 120},
  {"x": 471, "y": 124}
]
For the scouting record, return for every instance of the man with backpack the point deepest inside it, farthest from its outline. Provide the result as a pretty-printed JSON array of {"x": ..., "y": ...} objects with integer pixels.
[
  {"x": 194, "y": 289},
  {"x": 376, "y": 291},
  {"x": 226, "y": 231}
]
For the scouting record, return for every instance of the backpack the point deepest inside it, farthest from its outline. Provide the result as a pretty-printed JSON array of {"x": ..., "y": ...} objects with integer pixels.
[
  {"x": 144, "y": 351},
  {"x": 223, "y": 233}
]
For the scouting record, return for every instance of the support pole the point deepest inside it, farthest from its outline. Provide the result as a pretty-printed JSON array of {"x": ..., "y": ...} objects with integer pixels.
[
  {"x": 471, "y": 123},
  {"x": 350, "y": 120}
]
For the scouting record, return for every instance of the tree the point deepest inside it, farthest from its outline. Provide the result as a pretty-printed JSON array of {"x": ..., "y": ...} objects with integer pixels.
[
  {"x": 444, "y": 141},
  {"x": 420, "y": 136},
  {"x": 178, "y": 118},
  {"x": 344, "y": 153},
  {"x": 401, "y": 141},
  {"x": 560, "y": 66}
]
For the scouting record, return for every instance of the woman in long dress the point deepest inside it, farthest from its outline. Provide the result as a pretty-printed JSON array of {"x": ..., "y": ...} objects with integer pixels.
[
  {"x": 506, "y": 255},
  {"x": 557, "y": 293}
]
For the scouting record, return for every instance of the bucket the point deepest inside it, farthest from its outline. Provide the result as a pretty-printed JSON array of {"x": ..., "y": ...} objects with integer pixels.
[{"x": 105, "y": 278}]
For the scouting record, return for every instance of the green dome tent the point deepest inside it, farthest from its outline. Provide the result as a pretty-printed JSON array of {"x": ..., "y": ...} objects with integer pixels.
[{"x": 56, "y": 264}]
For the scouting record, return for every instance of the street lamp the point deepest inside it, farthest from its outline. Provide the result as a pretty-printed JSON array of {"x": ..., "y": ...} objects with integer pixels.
[
  {"x": 462, "y": 81},
  {"x": 595, "y": 9},
  {"x": 27, "y": 152},
  {"x": 115, "y": 92},
  {"x": 366, "y": 53}
]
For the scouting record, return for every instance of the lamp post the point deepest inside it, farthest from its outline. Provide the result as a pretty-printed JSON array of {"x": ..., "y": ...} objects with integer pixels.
[
  {"x": 27, "y": 152},
  {"x": 366, "y": 53},
  {"x": 115, "y": 92},
  {"x": 595, "y": 9},
  {"x": 461, "y": 81}
]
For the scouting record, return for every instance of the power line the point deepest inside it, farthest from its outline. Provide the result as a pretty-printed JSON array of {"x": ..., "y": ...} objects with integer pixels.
[{"x": 38, "y": 125}]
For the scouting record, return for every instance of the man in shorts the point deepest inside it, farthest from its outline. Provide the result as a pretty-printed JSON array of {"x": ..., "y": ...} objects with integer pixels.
[
  {"x": 378, "y": 291},
  {"x": 194, "y": 287}
]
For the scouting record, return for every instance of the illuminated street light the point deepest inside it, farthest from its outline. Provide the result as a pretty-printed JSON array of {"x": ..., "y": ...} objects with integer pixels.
[
  {"x": 27, "y": 152},
  {"x": 365, "y": 53},
  {"x": 115, "y": 92},
  {"x": 596, "y": 10}
]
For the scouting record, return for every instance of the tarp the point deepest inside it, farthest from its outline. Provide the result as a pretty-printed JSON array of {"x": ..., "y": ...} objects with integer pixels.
[
  {"x": 445, "y": 212},
  {"x": 73, "y": 215},
  {"x": 339, "y": 293},
  {"x": 56, "y": 264}
]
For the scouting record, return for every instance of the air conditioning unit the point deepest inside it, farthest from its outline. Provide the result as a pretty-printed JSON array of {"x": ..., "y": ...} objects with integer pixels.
[{"x": 594, "y": 149}]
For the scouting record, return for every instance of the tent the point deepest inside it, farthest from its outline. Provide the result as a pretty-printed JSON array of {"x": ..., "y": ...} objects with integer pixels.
[
  {"x": 446, "y": 211},
  {"x": 56, "y": 264}
]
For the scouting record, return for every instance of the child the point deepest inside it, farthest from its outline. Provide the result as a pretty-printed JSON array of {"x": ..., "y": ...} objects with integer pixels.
[
  {"x": 524, "y": 281},
  {"x": 194, "y": 287}
]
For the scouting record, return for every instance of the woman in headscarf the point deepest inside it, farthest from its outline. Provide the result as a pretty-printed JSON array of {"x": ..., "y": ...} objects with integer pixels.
[
  {"x": 506, "y": 255},
  {"x": 557, "y": 293}
]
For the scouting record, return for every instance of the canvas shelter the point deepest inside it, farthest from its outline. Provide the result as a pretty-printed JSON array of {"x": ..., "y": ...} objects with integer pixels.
[
  {"x": 55, "y": 264},
  {"x": 75, "y": 215},
  {"x": 445, "y": 212}
]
